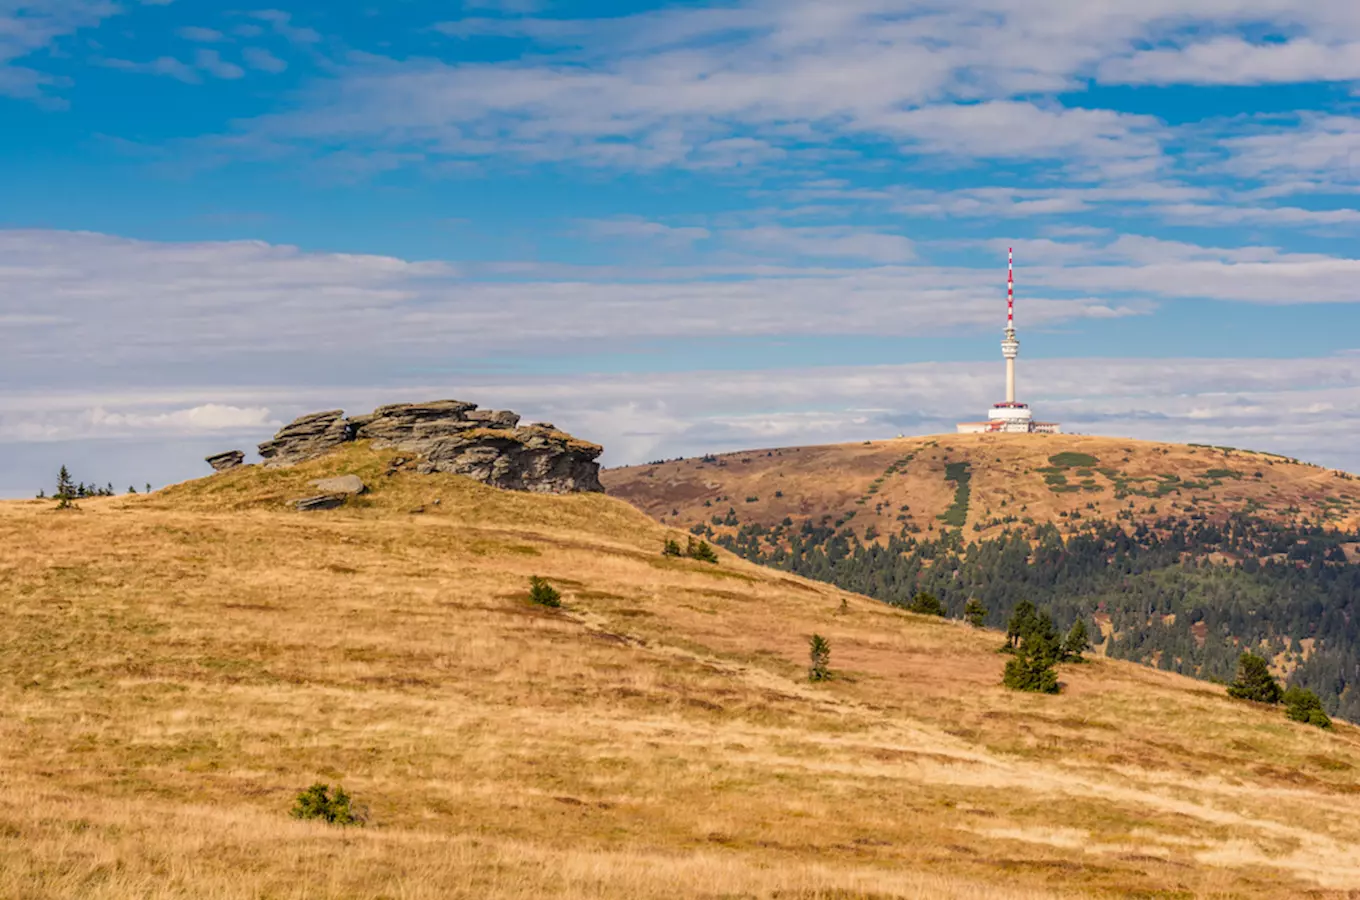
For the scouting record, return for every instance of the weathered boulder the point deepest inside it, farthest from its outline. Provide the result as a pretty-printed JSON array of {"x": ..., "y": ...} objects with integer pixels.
[
  {"x": 322, "y": 501},
  {"x": 221, "y": 462},
  {"x": 307, "y": 438},
  {"x": 454, "y": 437},
  {"x": 341, "y": 484}
]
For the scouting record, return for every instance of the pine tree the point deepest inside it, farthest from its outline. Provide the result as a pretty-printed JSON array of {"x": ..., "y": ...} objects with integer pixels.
[
  {"x": 974, "y": 613},
  {"x": 1021, "y": 623},
  {"x": 1254, "y": 681},
  {"x": 1076, "y": 643},
  {"x": 1030, "y": 671},
  {"x": 671, "y": 547},
  {"x": 819, "y": 653},
  {"x": 66, "y": 491}
]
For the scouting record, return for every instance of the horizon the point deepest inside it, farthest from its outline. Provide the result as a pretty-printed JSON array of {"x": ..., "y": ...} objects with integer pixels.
[{"x": 674, "y": 228}]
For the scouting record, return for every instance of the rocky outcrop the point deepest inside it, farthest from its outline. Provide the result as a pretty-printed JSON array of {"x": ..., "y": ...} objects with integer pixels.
[
  {"x": 307, "y": 438},
  {"x": 454, "y": 437},
  {"x": 537, "y": 458},
  {"x": 221, "y": 462}
]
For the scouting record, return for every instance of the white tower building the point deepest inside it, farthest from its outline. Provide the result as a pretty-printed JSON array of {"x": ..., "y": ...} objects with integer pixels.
[{"x": 1010, "y": 416}]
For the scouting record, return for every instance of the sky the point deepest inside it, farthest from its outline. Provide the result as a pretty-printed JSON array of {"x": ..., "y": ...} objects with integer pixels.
[{"x": 674, "y": 228}]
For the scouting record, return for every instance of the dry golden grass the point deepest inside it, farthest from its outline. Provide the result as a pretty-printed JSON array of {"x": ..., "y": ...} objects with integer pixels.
[
  {"x": 176, "y": 667},
  {"x": 1006, "y": 481}
]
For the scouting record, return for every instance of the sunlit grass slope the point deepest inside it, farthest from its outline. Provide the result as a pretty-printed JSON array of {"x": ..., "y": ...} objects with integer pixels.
[
  {"x": 174, "y": 668},
  {"x": 1013, "y": 479}
]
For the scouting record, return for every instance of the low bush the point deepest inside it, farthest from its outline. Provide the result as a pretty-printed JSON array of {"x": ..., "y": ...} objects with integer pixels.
[
  {"x": 544, "y": 594},
  {"x": 1302, "y": 705},
  {"x": 926, "y": 604},
  {"x": 317, "y": 802}
]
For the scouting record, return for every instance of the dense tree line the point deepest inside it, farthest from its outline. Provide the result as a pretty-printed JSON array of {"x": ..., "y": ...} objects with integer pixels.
[{"x": 1187, "y": 596}]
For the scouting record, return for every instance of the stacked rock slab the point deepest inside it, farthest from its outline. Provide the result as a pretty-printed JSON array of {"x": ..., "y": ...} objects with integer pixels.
[
  {"x": 307, "y": 438},
  {"x": 221, "y": 462},
  {"x": 454, "y": 437}
]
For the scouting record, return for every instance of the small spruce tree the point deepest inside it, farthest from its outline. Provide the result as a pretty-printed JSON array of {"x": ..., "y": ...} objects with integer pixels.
[
  {"x": 66, "y": 489},
  {"x": 819, "y": 653},
  {"x": 1031, "y": 670},
  {"x": 543, "y": 594},
  {"x": 1076, "y": 642},
  {"x": 974, "y": 613},
  {"x": 671, "y": 547},
  {"x": 926, "y": 604},
  {"x": 1254, "y": 681},
  {"x": 701, "y": 551},
  {"x": 1302, "y": 705},
  {"x": 1021, "y": 623}
]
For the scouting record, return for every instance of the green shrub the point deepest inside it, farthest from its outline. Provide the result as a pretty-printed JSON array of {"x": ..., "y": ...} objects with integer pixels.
[
  {"x": 670, "y": 548},
  {"x": 1254, "y": 681},
  {"x": 317, "y": 802},
  {"x": 974, "y": 613},
  {"x": 1071, "y": 460},
  {"x": 926, "y": 604},
  {"x": 1302, "y": 705},
  {"x": 543, "y": 594},
  {"x": 819, "y": 653}
]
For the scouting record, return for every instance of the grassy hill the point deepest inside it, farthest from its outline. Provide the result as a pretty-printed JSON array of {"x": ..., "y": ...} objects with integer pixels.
[
  {"x": 985, "y": 483},
  {"x": 1178, "y": 556},
  {"x": 176, "y": 667}
]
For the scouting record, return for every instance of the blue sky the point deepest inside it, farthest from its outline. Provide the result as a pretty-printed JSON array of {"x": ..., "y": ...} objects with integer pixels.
[{"x": 674, "y": 227}]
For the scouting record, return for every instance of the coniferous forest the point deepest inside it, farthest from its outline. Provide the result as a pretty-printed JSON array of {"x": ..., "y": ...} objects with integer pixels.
[{"x": 1181, "y": 595}]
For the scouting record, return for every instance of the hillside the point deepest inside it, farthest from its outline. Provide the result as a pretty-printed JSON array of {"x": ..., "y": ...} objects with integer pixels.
[
  {"x": 884, "y": 486},
  {"x": 1177, "y": 556},
  {"x": 178, "y": 666}
]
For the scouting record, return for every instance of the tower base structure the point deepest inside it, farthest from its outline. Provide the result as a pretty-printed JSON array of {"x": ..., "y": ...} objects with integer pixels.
[{"x": 1010, "y": 418}]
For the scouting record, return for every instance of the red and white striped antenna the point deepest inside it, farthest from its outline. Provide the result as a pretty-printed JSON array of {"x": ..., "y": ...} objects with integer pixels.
[{"x": 1010, "y": 288}]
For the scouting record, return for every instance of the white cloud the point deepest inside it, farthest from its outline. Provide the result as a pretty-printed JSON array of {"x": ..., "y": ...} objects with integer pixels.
[
  {"x": 261, "y": 59},
  {"x": 1306, "y": 407},
  {"x": 636, "y": 227},
  {"x": 834, "y": 242},
  {"x": 282, "y": 23},
  {"x": 163, "y": 65},
  {"x": 201, "y": 35},
  {"x": 1231, "y": 60},
  {"x": 212, "y": 62},
  {"x": 27, "y": 27}
]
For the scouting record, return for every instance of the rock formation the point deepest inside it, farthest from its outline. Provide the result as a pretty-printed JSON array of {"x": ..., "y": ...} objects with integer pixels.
[
  {"x": 307, "y": 437},
  {"x": 221, "y": 462},
  {"x": 453, "y": 437}
]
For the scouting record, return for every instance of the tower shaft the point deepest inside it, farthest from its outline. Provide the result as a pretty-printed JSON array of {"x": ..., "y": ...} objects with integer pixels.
[{"x": 1010, "y": 347}]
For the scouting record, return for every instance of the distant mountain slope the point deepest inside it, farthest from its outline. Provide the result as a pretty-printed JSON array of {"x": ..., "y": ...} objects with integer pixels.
[
  {"x": 884, "y": 485},
  {"x": 175, "y": 668},
  {"x": 1179, "y": 556}
]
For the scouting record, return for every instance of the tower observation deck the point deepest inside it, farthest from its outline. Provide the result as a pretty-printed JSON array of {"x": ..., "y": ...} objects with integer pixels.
[{"x": 1010, "y": 416}]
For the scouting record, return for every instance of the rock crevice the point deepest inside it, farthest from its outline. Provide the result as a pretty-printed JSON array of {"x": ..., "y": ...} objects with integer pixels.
[{"x": 451, "y": 436}]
